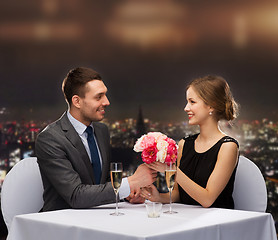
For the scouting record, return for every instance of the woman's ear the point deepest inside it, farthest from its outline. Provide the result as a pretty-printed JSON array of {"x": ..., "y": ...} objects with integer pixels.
[{"x": 211, "y": 111}]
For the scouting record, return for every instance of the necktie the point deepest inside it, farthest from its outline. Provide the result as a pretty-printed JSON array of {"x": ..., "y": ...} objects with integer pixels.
[{"x": 94, "y": 154}]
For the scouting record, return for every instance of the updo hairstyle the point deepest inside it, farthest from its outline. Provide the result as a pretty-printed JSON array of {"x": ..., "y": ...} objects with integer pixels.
[{"x": 216, "y": 93}]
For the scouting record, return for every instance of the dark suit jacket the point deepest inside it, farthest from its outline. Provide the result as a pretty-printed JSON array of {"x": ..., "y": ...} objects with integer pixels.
[{"x": 66, "y": 170}]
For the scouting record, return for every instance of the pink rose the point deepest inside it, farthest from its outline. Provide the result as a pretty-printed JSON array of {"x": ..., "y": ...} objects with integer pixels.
[
  {"x": 148, "y": 141},
  {"x": 149, "y": 154},
  {"x": 157, "y": 135},
  {"x": 172, "y": 151},
  {"x": 138, "y": 147}
]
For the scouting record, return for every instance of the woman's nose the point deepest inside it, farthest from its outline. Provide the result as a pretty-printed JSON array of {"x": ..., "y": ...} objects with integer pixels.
[{"x": 186, "y": 108}]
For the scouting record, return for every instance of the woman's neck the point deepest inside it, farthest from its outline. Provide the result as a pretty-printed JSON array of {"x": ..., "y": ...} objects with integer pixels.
[{"x": 210, "y": 132}]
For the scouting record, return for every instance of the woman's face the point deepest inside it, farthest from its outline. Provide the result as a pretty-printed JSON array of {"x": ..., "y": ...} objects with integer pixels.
[{"x": 196, "y": 109}]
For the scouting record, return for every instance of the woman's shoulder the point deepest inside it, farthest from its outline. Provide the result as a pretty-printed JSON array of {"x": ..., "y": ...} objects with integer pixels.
[
  {"x": 229, "y": 139},
  {"x": 190, "y": 137},
  {"x": 187, "y": 141}
]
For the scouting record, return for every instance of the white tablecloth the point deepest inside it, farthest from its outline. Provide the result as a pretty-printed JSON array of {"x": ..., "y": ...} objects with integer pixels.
[{"x": 190, "y": 223}]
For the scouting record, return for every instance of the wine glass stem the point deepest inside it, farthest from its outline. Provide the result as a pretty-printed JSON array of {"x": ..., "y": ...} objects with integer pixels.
[
  {"x": 117, "y": 212},
  {"x": 170, "y": 190}
]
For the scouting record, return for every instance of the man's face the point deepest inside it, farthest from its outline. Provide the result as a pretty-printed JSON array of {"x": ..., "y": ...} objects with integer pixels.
[{"x": 93, "y": 104}]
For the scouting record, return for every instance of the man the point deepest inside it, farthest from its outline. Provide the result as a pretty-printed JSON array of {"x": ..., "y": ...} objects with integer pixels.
[{"x": 73, "y": 177}]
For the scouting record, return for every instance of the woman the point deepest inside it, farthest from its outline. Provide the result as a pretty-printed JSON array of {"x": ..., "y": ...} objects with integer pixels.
[{"x": 207, "y": 161}]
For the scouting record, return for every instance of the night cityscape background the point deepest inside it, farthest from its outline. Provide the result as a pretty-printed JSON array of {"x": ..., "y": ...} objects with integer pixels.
[{"x": 146, "y": 51}]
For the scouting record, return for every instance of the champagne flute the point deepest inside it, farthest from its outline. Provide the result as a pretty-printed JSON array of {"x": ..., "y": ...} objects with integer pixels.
[
  {"x": 170, "y": 175},
  {"x": 116, "y": 173}
]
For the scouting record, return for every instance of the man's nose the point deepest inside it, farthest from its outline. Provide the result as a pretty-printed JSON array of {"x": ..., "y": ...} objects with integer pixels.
[{"x": 106, "y": 101}]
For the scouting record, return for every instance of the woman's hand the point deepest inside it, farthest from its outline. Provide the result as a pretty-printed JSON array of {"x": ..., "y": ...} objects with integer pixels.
[
  {"x": 135, "y": 199},
  {"x": 158, "y": 166},
  {"x": 150, "y": 193}
]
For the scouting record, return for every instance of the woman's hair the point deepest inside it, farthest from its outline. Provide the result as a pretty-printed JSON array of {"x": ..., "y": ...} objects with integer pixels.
[
  {"x": 216, "y": 93},
  {"x": 75, "y": 81}
]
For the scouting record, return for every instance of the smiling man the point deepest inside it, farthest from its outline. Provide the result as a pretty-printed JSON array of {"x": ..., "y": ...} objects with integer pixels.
[{"x": 74, "y": 152}]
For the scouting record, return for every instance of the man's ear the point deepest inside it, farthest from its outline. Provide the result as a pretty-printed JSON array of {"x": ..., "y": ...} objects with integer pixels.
[{"x": 76, "y": 101}]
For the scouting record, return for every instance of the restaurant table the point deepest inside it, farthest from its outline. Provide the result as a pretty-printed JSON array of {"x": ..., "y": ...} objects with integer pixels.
[{"x": 191, "y": 222}]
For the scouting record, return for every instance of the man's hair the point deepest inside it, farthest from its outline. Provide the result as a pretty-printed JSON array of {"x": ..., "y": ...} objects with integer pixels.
[{"x": 75, "y": 81}]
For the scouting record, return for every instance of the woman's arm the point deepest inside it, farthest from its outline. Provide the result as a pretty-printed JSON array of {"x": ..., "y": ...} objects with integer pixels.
[{"x": 225, "y": 165}]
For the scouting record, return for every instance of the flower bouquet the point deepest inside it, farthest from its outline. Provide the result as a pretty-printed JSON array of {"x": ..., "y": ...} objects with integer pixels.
[{"x": 156, "y": 146}]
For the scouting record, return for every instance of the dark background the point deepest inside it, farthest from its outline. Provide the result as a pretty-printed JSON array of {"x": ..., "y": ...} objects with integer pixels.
[{"x": 146, "y": 51}]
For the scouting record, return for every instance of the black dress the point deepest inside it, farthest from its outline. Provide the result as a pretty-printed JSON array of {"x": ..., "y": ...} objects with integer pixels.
[{"x": 199, "y": 166}]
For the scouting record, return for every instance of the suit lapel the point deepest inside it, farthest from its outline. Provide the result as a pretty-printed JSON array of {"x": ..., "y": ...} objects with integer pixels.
[
  {"x": 74, "y": 138},
  {"x": 103, "y": 152}
]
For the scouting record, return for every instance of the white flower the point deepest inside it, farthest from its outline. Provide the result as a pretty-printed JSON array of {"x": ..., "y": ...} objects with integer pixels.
[
  {"x": 162, "y": 150},
  {"x": 160, "y": 156},
  {"x": 161, "y": 144}
]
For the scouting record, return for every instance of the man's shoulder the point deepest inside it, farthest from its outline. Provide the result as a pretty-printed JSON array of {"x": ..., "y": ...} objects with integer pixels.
[
  {"x": 100, "y": 125},
  {"x": 52, "y": 128}
]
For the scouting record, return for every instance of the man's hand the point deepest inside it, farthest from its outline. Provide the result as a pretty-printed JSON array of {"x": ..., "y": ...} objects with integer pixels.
[{"x": 143, "y": 176}]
